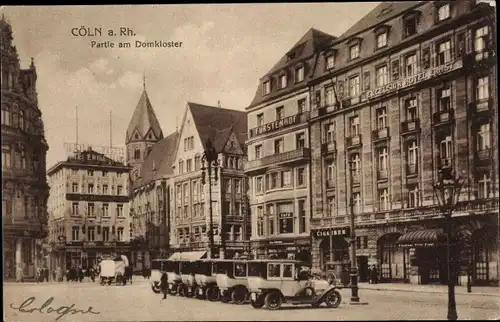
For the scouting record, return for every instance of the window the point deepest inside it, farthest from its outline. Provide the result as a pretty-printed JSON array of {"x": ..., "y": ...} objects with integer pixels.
[
  {"x": 330, "y": 132},
  {"x": 383, "y": 159},
  {"x": 302, "y": 216},
  {"x": 317, "y": 99},
  {"x": 354, "y": 51},
  {"x": 105, "y": 234},
  {"x": 484, "y": 186},
  {"x": 444, "y": 99},
  {"x": 185, "y": 192},
  {"x": 483, "y": 137},
  {"x": 299, "y": 74},
  {"x": 481, "y": 42},
  {"x": 258, "y": 184},
  {"x": 383, "y": 199},
  {"x": 411, "y": 65},
  {"x": 355, "y": 167},
  {"x": 272, "y": 180},
  {"x": 278, "y": 146},
  {"x": 260, "y": 221},
  {"x": 330, "y": 61},
  {"x": 227, "y": 185},
  {"x": 6, "y": 117},
  {"x": 270, "y": 218},
  {"x": 237, "y": 208},
  {"x": 237, "y": 186},
  {"x": 189, "y": 143},
  {"x": 330, "y": 173},
  {"x": 74, "y": 209},
  {"x": 412, "y": 157},
  {"x": 104, "y": 189},
  {"x": 196, "y": 189},
  {"x": 413, "y": 196},
  {"x": 354, "y": 125},
  {"x": 287, "y": 270},
  {"x": 105, "y": 210},
  {"x": 354, "y": 86},
  {"x": 105, "y": 173},
  {"x": 273, "y": 270},
  {"x": 381, "y": 40},
  {"x": 411, "y": 109},
  {"x": 23, "y": 158},
  {"x": 280, "y": 113},
  {"x": 189, "y": 165},
  {"x": 330, "y": 96},
  {"x": 90, "y": 188},
  {"x": 181, "y": 167},
  {"x": 26, "y": 205},
  {"x": 91, "y": 209},
  {"x": 197, "y": 163},
  {"x": 330, "y": 206},
  {"x": 74, "y": 187},
  {"x": 410, "y": 26},
  {"x": 6, "y": 158},
  {"x": 119, "y": 210},
  {"x": 444, "y": 52},
  {"x": 137, "y": 154},
  {"x": 285, "y": 216},
  {"x": 381, "y": 114},
  {"x": 300, "y": 140},
  {"x": 286, "y": 178},
  {"x": 446, "y": 150},
  {"x": 356, "y": 200},
  {"x": 381, "y": 76},
  {"x": 267, "y": 87},
  {"x": 260, "y": 119},
  {"x": 75, "y": 233},
  {"x": 301, "y": 176},
  {"x": 301, "y": 106},
  {"x": 283, "y": 81},
  {"x": 119, "y": 190},
  {"x": 444, "y": 12},
  {"x": 91, "y": 234},
  {"x": 258, "y": 151},
  {"x": 482, "y": 88},
  {"x": 120, "y": 233}
]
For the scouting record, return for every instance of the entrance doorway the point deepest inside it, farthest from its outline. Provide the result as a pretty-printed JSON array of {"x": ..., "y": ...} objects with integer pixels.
[{"x": 363, "y": 268}]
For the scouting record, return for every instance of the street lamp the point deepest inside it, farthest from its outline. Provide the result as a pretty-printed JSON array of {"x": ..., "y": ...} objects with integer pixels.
[
  {"x": 210, "y": 158},
  {"x": 447, "y": 191},
  {"x": 354, "y": 266}
]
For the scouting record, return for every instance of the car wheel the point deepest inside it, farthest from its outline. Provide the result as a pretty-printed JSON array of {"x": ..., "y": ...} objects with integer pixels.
[
  {"x": 180, "y": 290},
  {"x": 173, "y": 290},
  {"x": 333, "y": 299},
  {"x": 273, "y": 300},
  {"x": 212, "y": 294},
  {"x": 238, "y": 295},
  {"x": 258, "y": 303},
  {"x": 155, "y": 289}
]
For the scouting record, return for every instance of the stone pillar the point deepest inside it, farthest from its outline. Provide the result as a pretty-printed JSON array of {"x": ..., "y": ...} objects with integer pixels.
[{"x": 19, "y": 249}]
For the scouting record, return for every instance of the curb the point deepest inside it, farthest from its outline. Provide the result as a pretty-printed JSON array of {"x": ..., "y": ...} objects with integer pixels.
[{"x": 427, "y": 291}]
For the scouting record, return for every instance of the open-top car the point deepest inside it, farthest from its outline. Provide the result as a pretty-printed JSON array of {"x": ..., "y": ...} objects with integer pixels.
[
  {"x": 232, "y": 280},
  {"x": 187, "y": 271},
  {"x": 205, "y": 280},
  {"x": 273, "y": 282},
  {"x": 158, "y": 266}
]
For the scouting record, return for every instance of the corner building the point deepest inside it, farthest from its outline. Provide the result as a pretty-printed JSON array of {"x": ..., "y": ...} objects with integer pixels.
[
  {"x": 279, "y": 153},
  {"x": 410, "y": 89}
]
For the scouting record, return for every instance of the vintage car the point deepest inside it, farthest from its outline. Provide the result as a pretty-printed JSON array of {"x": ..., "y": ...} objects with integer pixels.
[
  {"x": 113, "y": 270},
  {"x": 274, "y": 282},
  {"x": 180, "y": 264},
  {"x": 173, "y": 269},
  {"x": 232, "y": 280},
  {"x": 205, "y": 280},
  {"x": 158, "y": 266}
]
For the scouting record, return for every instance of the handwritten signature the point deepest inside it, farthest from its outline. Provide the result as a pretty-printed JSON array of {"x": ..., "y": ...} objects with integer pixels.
[{"x": 62, "y": 310}]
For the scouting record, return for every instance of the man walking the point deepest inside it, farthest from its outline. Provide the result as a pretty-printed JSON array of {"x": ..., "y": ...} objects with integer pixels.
[{"x": 164, "y": 284}]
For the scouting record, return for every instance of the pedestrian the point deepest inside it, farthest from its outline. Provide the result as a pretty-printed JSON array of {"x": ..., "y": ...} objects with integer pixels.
[
  {"x": 164, "y": 284},
  {"x": 370, "y": 276},
  {"x": 80, "y": 274},
  {"x": 54, "y": 275},
  {"x": 374, "y": 274},
  {"x": 38, "y": 275},
  {"x": 46, "y": 274},
  {"x": 59, "y": 274},
  {"x": 19, "y": 274}
]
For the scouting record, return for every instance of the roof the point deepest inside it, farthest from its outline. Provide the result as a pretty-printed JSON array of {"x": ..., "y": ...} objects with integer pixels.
[
  {"x": 158, "y": 162},
  {"x": 217, "y": 124},
  {"x": 380, "y": 13},
  {"x": 144, "y": 119},
  {"x": 309, "y": 44}
]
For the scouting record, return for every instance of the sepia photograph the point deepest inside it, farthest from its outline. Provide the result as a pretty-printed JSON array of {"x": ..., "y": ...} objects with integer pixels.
[{"x": 250, "y": 162}]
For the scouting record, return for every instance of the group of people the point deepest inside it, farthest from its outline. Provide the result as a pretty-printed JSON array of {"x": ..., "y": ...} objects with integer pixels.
[{"x": 373, "y": 274}]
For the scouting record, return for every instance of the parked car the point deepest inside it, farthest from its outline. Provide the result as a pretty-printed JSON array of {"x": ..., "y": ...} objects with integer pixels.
[
  {"x": 205, "y": 280},
  {"x": 232, "y": 280}
]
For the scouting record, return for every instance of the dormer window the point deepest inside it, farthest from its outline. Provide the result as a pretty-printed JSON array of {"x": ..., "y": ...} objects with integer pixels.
[
  {"x": 354, "y": 51},
  {"x": 410, "y": 23},
  {"x": 283, "y": 80},
  {"x": 381, "y": 40},
  {"x": 330, "y": 61},
  {"x": 443, "y": 12},
  {"x": 299, "y": 74},
  {"x": 290, "y": 56},
  {"x": 267, "y": 87}
]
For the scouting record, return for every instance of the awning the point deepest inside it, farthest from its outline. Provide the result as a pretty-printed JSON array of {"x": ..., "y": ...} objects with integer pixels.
[
  {"x": 421, "y": 238},
  {"x": 175, "y": 256},
  {"x": 191, "y": 256}
]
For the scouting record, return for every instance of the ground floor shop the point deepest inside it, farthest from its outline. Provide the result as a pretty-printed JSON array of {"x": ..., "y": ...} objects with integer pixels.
[
  {"x": 298, "y": 248},
  {"x": 20, "y": 253},
  {"x": 73, "y": 257}
]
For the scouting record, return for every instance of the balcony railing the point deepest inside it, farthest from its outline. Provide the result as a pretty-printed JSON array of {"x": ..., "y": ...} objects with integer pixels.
[
  {"x": 410, "y": 126},
  {"x": 380, "y": 134},
  {"x": 481, "y": 106},
  {"x": 382, "y": 174},
  {"x": 328, "y": 147},
  {"x": 483, "y": 155},
  {"x": 279, "y": 124},
  {"x": 330, "y": 183},
  {"x": 445, "y": 162},
  {"x": 443, "y": 117},
  {"x": 282, "y": 158},
  {"x": 353, "y": 141},
  {"x": 355, "y": 176},
  {"x": 411, "y": 169}
]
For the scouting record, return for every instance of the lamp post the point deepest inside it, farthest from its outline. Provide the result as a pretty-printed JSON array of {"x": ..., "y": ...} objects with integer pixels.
[
  {"x": 210, "y": 158},
  {"x": 447, "y": 191},
  {"x": 354, "y": 266}
]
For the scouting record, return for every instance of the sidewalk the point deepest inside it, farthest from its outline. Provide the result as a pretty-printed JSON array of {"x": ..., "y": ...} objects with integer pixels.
[{"x": 476, "y": 290}]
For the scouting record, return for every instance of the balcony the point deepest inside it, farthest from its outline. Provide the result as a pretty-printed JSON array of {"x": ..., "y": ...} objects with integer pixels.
[
  {"x": 330, "y": 184},
  {"x": 445, "y": 163},
  {"x": 483, "y": 157},
  {"x": 482, "y": 107},
  {"x": 279, "y": 124},
  {"x": 278, "y": 159},
  {"x": 410, "y": 126},
  {"x": 329, "y": 147},
  {"x": 382, "y": 175},
  {"x": 353, "y": 141},
  {"x": 355, "y": 177},
  {"x": 443, "y": 117},
  {"x": 380, "y": 134},
  {"x": 411, "y": 169},
  {"x": 477, "y": 62}
]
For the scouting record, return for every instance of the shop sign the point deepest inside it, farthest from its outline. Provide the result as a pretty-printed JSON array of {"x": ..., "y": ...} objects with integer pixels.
[
  {"x": 412, "y": 80},
  {"x": 280, "y": 242},
  {"x": 276, "y": 125},
  {"x": 284, "y": 215},
  {"x": 414, "y": 245},
  {"x": 341, "y": 231}
]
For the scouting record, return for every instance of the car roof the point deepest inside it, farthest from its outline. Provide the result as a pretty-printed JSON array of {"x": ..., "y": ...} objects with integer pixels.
[{"x": 285, "y": 261}]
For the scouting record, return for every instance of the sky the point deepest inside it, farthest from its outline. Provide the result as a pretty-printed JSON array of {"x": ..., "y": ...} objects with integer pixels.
[{"x": 225, "y": 50}]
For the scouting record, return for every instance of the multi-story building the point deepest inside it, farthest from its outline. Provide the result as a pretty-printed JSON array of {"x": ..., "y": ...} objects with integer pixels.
[
  {"x": 143, "y": 134},
  {"x": 226, "y": 129},
  {"x": 410, "y": 89},
  {"x": 24, "y": 184},
  {"x": 278, "y": 148},
  {"x": 89, "y": 209}
]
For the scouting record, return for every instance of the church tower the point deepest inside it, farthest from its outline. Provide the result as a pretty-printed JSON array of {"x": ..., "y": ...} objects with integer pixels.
[{"x": 142, "y": 133}]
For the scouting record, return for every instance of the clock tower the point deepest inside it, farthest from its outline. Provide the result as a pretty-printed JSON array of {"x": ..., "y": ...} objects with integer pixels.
[{"x": 143, "y": 133}]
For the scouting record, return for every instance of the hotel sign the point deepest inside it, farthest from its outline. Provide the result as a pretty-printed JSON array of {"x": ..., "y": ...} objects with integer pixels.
[
  {"x": 341, "y": 231},
  {"x": 276, "y": 125},
  {"x": 412, "y": 80}
]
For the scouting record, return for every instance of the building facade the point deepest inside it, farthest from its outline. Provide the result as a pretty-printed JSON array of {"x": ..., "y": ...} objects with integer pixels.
[
  {"x": 191, "y": 195},
  {"x": 278, "y": 148},
  {"x": 24, "y": 184},
  {"x": 89, "y": 209},
  {"x": 409, "y": 90}
]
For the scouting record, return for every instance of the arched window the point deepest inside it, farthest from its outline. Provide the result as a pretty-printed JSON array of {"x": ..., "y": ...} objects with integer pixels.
[
  {"x": 22, "y": 121},
  {"x": 137, "y": 154}
]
